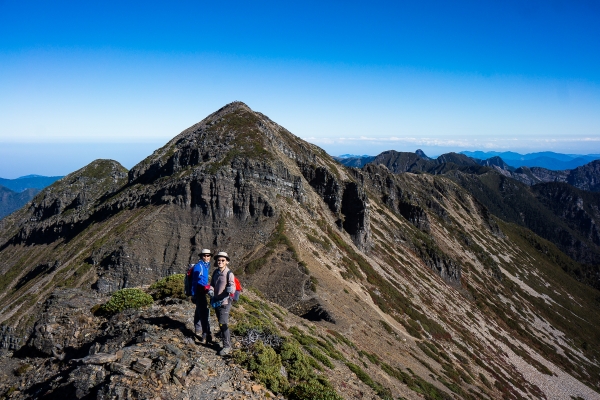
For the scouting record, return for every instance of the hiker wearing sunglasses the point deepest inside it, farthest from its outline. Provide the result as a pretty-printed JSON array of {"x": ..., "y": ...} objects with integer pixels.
[
  {"x": 222, "y": 287},
  {"x": 199, "y": 288}
]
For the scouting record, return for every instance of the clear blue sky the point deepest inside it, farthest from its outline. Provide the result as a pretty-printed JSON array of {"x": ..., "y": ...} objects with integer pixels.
[{"x": 80, "y": 81}]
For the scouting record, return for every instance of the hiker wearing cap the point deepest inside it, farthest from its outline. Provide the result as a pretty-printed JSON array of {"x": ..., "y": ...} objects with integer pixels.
[
  {"x": 200, "y": 288},
  {"x": 222, "y": 286}
]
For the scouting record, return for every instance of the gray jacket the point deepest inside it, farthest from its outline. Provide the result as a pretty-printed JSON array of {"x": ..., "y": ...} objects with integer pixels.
[{"x": 219, "y": 283}]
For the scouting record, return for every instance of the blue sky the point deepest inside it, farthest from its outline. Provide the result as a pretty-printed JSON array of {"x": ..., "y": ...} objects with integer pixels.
[{"x": 118, "y": 79}]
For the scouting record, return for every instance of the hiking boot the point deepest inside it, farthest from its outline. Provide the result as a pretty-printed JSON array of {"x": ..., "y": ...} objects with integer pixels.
[
  {"x": 209, "y": 339},
  {"x": 224, "y": 351},
  {"x": 203, "y": 338}
]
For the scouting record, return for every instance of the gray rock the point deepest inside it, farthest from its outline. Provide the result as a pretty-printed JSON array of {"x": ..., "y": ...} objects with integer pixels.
[{"x": 142, "y": 365}]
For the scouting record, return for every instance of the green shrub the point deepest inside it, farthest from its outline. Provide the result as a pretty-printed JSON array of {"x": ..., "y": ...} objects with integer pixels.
[
  {"x": 171, "y": 286},
  {"x": 322, "y": 358},
  {"x": 124, "y": 299},
  {"x": 316, "y": 389},
  {"x": 297, "y": 364},
  {"x": 381, "y": 391},
  {"x": 266, "y": 365}
]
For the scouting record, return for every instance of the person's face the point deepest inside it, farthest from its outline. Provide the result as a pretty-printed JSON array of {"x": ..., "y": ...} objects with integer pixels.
[
  {"x": 206, "y": 257},
  {"x": 222, "y": 262}
]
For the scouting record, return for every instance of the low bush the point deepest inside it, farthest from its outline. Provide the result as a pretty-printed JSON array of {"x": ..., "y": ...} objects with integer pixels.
[
  {"x": 315, "y": 389},
  {"x": 171, "y": 286},
  {"x": 124, "y": 299}
]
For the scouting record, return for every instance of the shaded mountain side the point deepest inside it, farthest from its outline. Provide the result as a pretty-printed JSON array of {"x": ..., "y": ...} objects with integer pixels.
[
  {"x": 399, "y": 162},
  {"x": 347, "y": 261},
  {"x": 496, "y": 162},
  {"x": 11, "y": 200},
  {"x": 557, "y": 212},
  {"x": 586, "y": 177}
]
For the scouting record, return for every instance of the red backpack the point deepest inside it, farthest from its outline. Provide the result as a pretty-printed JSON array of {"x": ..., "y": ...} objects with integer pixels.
[{"x": 238, "y": 287}]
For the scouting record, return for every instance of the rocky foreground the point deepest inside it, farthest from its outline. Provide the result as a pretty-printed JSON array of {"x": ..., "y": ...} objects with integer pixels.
[{"x": 150, "y": 353}]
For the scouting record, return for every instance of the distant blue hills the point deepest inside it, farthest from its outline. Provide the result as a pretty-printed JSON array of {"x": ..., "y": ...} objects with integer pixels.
[
  {"x": 28, "y": 182},
  {"x": 15, "y": 193},
  {"x": 546, "y": 159}
]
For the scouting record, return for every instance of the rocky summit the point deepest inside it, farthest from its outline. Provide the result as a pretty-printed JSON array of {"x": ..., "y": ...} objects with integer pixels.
[{"x": 359, "y": 283}]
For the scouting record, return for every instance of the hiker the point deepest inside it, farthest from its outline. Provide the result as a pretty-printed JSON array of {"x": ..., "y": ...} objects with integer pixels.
[
  {"x": 199, "y": 288},
  {"x": 222, "y": 286}
]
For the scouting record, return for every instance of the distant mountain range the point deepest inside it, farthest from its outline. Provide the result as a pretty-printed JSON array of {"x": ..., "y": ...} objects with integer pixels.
[
  {"x": 584, "y": 177},
  {"x": 546, "y": 159},
  {"x": 28, "y": 181},
  {"x": 15, "y": 193}
]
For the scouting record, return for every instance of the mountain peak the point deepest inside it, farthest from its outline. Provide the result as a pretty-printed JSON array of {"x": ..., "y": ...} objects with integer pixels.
[{"x": 234, "y": 133}]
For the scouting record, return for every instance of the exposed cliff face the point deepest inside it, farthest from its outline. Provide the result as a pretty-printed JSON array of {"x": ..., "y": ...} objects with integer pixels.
[{"x": 462, "y": 301}]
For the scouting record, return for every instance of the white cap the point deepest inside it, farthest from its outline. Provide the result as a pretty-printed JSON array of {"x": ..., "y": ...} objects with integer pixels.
[{"x": 206, "y": 251}]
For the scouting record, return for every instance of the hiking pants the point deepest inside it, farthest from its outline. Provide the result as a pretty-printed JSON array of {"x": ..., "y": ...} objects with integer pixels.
[
  {"x": 223, "y": 318},
  {"x": 201, "y": 313}
]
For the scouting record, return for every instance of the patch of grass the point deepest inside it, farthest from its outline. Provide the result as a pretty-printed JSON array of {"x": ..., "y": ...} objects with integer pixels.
[
  {"x": 416, "y": 383},
  {"x": 319, "y": 356},
  {"x": 323, "y": 242},
  {"x": 381, "y": 391},
  {"x": 341, "y": 338},
  {"x": 387, "y": 327},
  {"x": 72, "y": 280},
  {"x": 313, "y": 283}
]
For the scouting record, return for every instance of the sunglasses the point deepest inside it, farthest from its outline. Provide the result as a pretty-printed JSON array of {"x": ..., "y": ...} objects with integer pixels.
[
  {"x": 221, "y": 260},
  {"x": 206, "y": 255}
]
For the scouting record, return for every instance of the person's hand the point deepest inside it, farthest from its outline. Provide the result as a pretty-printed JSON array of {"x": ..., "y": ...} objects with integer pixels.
[
  {"x": 231, "y": 289},
  {"x": 211, "y": 292}
]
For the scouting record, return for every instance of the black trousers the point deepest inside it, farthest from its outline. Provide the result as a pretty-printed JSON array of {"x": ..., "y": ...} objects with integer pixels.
[{"x": 201, "y": 321}]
